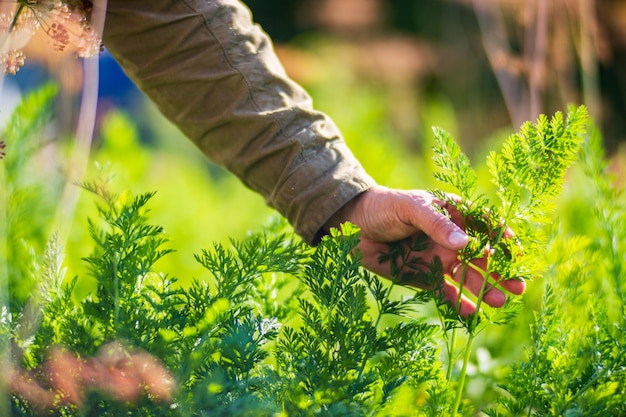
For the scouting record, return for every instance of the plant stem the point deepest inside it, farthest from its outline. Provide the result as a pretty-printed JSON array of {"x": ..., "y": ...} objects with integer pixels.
[
  {"x": 474, "y": 321},
  {"x": 450, "y": 347},
  {"x": 452, "y": 340},
  {"x": 470, "y": 340},
  {"x": 466, "y": 359}
]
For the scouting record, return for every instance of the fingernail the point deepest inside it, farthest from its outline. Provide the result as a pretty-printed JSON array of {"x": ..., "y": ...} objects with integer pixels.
[{"x": 457, "y": 238}]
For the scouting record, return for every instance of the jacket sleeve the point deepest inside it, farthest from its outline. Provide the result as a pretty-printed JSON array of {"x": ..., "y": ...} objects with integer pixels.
[{"x": 214, "y": 74}]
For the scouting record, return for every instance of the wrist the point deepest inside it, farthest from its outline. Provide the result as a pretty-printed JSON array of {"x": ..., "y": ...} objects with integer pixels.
[
  {"x": 349, "y": 211},
  {"x": 343, "y": 215}
]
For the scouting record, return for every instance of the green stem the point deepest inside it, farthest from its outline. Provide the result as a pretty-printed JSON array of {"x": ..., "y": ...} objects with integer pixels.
[
  {"x": 450, "y": 347},
  {"x": 472, "y": 327},
  {"x": 466, "y": 359},
  {"x": 470, "y": 340},
  {"x": 452, "y": 341}
]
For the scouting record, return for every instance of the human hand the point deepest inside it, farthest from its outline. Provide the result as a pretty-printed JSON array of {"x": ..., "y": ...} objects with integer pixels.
[{"x": 386, "y": 215}]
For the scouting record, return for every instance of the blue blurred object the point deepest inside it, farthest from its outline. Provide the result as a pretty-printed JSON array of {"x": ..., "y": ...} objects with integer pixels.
[{"x": 115, "y": 88}]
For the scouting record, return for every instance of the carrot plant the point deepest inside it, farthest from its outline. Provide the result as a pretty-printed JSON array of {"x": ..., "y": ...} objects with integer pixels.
[
  {"x": 224, "y": 338},
  {"x": 575, "y": 363},
  {"x": 528, "y": 173},
  {"x": 276, "y": 328}
]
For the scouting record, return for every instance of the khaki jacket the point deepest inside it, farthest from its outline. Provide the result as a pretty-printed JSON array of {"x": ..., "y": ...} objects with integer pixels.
[{"x": 214, "y": 74}]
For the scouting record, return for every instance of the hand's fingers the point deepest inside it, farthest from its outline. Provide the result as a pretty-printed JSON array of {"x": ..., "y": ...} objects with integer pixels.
[
  {"x": 450, "y": 292},
  {"x": 451, "y": 295},
  {"x": 514, "y": 286},
  {"x": 473, "y": 281},
  {"x": 425, "y": 217},
  {"x": 484, "y": 221}
]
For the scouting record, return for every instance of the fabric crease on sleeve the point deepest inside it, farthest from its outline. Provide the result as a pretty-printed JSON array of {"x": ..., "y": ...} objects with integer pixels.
[{"x": 214, "y": 74}]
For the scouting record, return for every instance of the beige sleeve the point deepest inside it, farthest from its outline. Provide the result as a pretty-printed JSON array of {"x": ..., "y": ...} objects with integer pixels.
[{"x": 215, "y": 75}]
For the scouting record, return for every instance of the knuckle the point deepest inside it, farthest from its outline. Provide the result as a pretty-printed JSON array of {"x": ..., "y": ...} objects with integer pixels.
[{"x": 440, "y": 224}]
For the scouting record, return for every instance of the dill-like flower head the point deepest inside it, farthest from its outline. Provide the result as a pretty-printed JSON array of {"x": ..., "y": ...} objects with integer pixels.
[
  {"x": 66, "y": 22},
  {"x": 12, "y": 61},
  {"x": 16, "y": 31}
]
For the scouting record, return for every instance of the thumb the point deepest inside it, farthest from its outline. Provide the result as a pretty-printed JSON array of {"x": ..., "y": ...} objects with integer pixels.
[{"x": 439, "y": 227}]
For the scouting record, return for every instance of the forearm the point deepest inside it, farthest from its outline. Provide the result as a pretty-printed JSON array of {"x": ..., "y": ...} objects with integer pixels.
[{"x": 215, "y": 75}]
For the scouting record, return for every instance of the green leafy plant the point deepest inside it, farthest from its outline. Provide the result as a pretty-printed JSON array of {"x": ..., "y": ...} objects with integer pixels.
[
  {"x": 341, "y": 360},
  {"x": 275, "y": 328},
  {"x": 233, "y": 341},
  {"x": 223, "y": 338},
  {"x": 575, "y": 363},
  {"x": 528, "y": 174}
]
